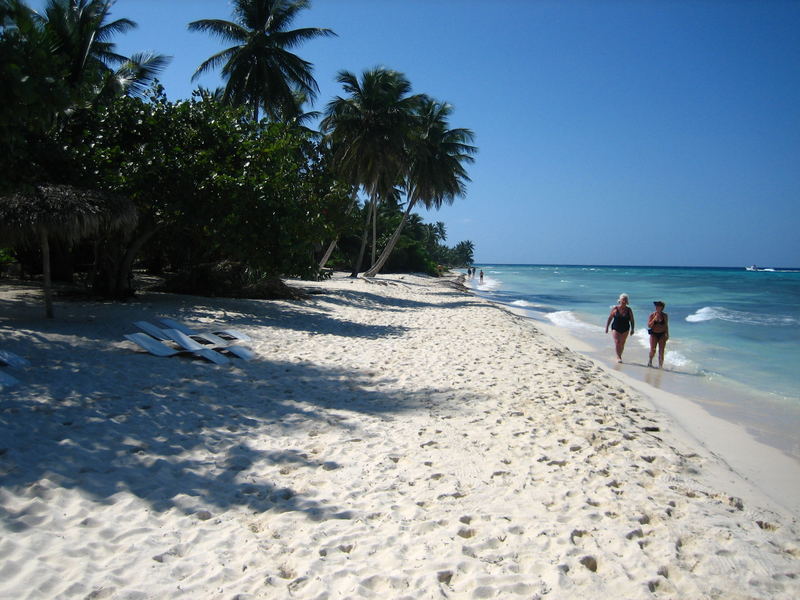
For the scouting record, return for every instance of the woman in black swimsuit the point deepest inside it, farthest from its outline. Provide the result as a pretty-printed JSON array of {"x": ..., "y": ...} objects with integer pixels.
[
  {"x": 621, "y": 321},
  {"x": 658, "y": 328}
]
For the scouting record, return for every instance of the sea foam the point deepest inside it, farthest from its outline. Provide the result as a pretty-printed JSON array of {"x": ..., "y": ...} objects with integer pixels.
[
  {"x": 566, "y": 318},
  {"x": 711, "y": 313}
]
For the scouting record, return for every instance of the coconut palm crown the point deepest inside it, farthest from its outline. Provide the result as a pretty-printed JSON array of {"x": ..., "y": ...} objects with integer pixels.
[
  {"x": 259, "y": 69},
  {"x": 368, "y": 132},
  {"x": 436, "y": 155},
  {"x": 80, "y": 32}
]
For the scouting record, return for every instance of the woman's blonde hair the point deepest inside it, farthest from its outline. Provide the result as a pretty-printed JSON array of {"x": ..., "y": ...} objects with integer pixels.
[{"x": 623, "y": 297}]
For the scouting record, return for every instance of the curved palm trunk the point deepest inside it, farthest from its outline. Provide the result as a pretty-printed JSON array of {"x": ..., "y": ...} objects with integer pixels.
[
  {"x": 374, "y": 233},
  {"x": 327, "y": 255},
  {"x": 332, "y": 245},
  {"x": 387, "y": 251},
  {"x": 364, "y": 237}
]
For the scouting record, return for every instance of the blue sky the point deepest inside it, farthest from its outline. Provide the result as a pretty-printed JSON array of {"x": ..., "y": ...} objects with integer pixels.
[{"x": 610, "y": 132}]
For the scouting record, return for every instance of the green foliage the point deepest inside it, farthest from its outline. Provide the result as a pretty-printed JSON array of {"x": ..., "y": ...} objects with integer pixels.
[
  {"x": 218, "y": 193},
  {"x": 6, "y": 258},
  {"x": 53, "y": 67},
  {"x": 34, "y": 90},
  {"x": 212, "y": 185},
  {"x": 386, "y": 140},
  {"x": 420, "y": 246}
]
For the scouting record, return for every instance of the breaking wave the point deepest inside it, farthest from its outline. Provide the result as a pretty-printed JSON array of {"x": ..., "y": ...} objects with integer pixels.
[{"x": 711, "y": 313}]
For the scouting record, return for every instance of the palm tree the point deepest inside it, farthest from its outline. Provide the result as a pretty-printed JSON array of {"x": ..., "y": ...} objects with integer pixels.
[
  {"x": 33, "y": 89},
  {"x": 81, "y": 34},
  {"x": 464, "y": 253},
  {"x": 58, "y": 61},
  {"x": 259, "y": 70},
  {"x": 368, "y": 133},
  {"x": 436, "y": 172}
]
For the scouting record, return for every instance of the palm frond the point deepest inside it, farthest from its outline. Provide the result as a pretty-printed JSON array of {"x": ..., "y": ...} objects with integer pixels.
[
  {"x": 137, "y": 73},
  {"x": 291, "y": 39},
  {"x": 259, "y": 70},
  {"x": 227, "y": 31},
  {"x": 214, "y": 62},
  {"x": 120, "y": 26}
]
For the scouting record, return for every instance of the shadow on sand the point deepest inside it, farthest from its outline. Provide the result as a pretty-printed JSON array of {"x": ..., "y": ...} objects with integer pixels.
[{"x": 96, "y": 416}]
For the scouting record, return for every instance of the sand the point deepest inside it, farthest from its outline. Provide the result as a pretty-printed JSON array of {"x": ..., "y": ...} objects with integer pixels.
[{"x": 395, "y": 438}]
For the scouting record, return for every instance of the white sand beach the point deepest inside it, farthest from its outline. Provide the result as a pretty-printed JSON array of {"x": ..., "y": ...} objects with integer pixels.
[{"x": 393, "y": 438}]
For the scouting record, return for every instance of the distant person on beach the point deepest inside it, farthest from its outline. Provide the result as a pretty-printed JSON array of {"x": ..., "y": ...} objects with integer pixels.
[
  {"x": 621, "y": 321},
  {"x": 481, "y": 275},
  {"x": 658, "y": 328}
]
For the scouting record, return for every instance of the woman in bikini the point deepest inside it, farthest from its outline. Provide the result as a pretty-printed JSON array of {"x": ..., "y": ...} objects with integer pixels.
[
  {"x": 621, "y": 321},
  {"x": 658, "y": 328}
]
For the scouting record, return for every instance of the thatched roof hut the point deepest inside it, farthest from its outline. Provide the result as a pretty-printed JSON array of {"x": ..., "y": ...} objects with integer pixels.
[
  {"x": 61, "y": 211},
  {"x": 66, "y": 212}
]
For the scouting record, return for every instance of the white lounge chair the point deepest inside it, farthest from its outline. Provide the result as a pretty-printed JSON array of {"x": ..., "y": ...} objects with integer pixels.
[
  {"x": 151, "y": 330},
  {"x": 207, "y": 340},
  {"x": 187, "y": 341},
  {"x": 153, "y": 346},
  {"x": 228, "y": 333}
]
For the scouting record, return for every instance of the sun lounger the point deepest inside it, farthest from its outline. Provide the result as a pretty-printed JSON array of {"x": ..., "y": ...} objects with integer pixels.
[
  {"x": 207, "y": 340},
  {"x": 228, "y": 333},
  {"x": 221, "y": 344},
  {"x": 153, "y": 346},
  {"x": 12, "y": 360},
  {"x": 152, "y": 330},
  {"x": 184, "y": 341}
]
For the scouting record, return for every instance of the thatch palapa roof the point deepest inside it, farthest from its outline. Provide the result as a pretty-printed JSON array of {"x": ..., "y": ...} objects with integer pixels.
[{"x": 63, "y": 211}]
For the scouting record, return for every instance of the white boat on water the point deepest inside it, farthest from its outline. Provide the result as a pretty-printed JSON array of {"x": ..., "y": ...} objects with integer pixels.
[{"x": 755, "y": 268}]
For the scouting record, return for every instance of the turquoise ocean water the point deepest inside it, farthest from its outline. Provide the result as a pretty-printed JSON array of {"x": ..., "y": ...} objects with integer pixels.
[{"x": 734, "y": 334}]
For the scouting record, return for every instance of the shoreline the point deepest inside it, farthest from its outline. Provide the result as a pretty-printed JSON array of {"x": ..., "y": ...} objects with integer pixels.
[
  {"x": 770, "y": 419},
  {"x": 761, "y": 469},
  {"x": 398, "y": 437},
  {"x": 765, "y": 467}
]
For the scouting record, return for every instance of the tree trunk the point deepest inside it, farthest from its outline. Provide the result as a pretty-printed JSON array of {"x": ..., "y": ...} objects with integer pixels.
[
  {"x": 387, "y": 251},
  {"x": 374, "y": 233},
  {"x": 332, "y": 245},
  {"x": 364, "y": 237},
  {"x": 327, "y": 255},
  {"x": 114, "y": 275},
  {"x": 48, "y": 292},
  {"x": 124, "y": 285}
]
